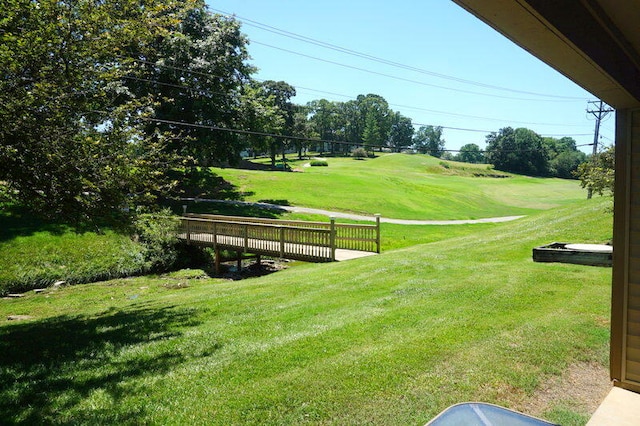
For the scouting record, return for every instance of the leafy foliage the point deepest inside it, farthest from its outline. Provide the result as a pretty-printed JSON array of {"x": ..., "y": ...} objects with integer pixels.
[
  {"x": 564, "y": 157},
  {"x": 428, "y": 140},
  {"x": 71, "y": 144},
  {"x": 598, "y": 174},
  {"x": 401, "y": 133},
  {"x": 517, "y": 151},
  {"x": 470, "y": 153},
  {"x": 196, "y": 74},
  {"x": 157, "y": 233}
]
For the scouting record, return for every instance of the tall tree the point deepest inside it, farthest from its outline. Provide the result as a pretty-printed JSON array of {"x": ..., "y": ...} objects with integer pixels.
[
  {"x": 196, "y": 73},
  {"x": 303, "y": 128},
  {"x": 69, "y": 142},
  {"x": 376, "y": 118},
  {"x": 261, "y": 117},
  {"x": 281, "y": 93},
  {"x": 353, "y": 122},
  {"x": 470, "y": 153},
  {"x": 324, "y": 116},
  {"x": 518, "y": 151},
  {"x": 428, "y": 140},
  {"x": 401, "y": 134},
  {"x": 564, "y": 157}
]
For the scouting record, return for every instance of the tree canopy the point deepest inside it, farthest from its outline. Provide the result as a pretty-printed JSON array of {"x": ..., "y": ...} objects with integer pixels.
[
  {"x": 517, "y": 151},
  {"x": 598, "y": 174},
  {"x": 470, "y": 153},
  {"x": 71, "y": 140},
  {"x": 428, "y": 140}
]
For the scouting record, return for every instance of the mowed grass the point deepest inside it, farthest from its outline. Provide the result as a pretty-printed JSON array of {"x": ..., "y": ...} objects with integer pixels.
[
  {"x": 392, "y": 339},
  {"x": 406, "y": 187},
  {"x": 35, "y": 254}
]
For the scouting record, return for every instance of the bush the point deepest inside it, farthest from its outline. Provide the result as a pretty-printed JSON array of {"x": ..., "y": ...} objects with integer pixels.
[
  {"x": 319, "y": 163},
  {"x": 157, "y": 233},
  {"x": 359, "y": 153}
]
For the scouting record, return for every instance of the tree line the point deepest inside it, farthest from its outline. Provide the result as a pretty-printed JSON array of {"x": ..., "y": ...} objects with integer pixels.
[{"x": 100, "y": 99}]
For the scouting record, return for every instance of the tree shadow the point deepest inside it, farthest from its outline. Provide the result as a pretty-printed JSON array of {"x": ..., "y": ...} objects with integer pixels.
[
  {"x": 17, "y": 222},
  {"x": 278, "y": 202},
  {"x": 203, "y": 183},
  {"x": 48, "y": 367},
  {"x": 232, "y": 208}
]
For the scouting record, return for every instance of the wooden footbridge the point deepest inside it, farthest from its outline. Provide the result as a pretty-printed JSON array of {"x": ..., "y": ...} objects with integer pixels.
[{"x": 287, "y": 239}]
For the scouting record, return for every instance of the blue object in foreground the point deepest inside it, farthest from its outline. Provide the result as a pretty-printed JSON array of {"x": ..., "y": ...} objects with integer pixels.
[{"x": 482, "y": 414}]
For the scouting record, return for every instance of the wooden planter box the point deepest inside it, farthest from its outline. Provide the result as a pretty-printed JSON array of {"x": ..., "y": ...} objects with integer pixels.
[{"x": 559, "y": 252}]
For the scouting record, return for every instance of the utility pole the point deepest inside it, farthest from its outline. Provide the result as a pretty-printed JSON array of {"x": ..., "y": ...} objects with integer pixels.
[{"x": 600, "y": 113}]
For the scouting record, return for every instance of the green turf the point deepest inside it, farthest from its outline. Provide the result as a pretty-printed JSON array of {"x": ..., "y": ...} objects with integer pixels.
[
  {"x": 406, "y": 187},
  {"x": 35, "y": 254},
  {"x": 392, "y": 339}
]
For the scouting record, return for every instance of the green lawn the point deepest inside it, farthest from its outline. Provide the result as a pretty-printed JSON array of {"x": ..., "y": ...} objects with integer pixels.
[
  {"x": 392, "y": 339},
  {"x": 35, "y": 254},
  {"x": 406, "y": 187}
]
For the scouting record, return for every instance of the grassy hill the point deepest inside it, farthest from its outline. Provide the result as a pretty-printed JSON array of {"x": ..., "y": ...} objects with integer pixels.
[
  {"x": 34, "y": 255},
  {"x": 406, "y": 187},
  {"x": 392, "y": 339}
]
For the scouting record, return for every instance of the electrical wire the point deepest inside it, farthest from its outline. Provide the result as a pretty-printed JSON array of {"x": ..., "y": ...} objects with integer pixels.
[
  {"x": 334, "y": 47},
  {"x": 352, "y": 98},
  {"x": 408, "y": 80},
  {"x": 305, "y": 139}
]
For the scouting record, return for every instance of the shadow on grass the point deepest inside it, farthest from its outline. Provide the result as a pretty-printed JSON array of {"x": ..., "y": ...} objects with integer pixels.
[
  {"x": 230, "y": 208},
  {"x": 279, "y": 202},
  {"x": 48, "y": 368},
  {"x": 203, "y": 183},
  {"x": 16, "y": 222}
]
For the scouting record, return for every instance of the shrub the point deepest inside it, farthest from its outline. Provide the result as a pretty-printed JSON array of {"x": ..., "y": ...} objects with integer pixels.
[
  {"x": 157, "y": 233},
  {"x": 319, "y": 163},
  {"x": 359, "y": 153}
]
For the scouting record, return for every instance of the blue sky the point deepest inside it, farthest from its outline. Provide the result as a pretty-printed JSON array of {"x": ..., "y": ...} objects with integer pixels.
[{"x": 441, "y": 43}]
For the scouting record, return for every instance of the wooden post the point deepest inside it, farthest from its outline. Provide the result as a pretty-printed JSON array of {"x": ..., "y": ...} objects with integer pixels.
[
  {"x": 377, "y": 215},
  {"x": 217, "y": 261},
  {"x": 332, "y": 238},
  {"x": 246, "y": 238},
  {"x": 282, "y": 242},
  {"x": 215, "y": 236}
]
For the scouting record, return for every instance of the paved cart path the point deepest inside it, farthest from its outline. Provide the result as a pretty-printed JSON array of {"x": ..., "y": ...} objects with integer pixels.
[
  {"x": 398, "y": 221},
  {"x": 352, "y": 216}
]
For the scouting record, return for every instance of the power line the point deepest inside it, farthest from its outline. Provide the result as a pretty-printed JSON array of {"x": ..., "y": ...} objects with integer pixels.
[
  {"x": 422, "y": 83},
  {"x": 392, "y": 104},
  {"x": 334, "y": 47},
  {"x": 305, "y": 139},
  {"x": 256, "y": 133}
]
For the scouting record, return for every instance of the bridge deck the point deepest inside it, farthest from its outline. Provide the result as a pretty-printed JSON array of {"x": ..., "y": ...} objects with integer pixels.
[{"x": 272, "y": 248}]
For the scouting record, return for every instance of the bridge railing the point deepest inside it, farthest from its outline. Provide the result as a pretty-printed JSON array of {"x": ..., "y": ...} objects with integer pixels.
[
  {"x": 317, "y": 240},
  {"x": 360, "y": 237}
]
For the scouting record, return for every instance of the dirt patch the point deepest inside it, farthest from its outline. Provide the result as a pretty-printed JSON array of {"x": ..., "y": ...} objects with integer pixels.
[
  {"x": 582, "y": 387},
  {"x": 252, "y": 269}
]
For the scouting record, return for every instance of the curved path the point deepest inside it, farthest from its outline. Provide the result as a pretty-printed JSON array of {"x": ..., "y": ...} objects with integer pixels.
[
  {"x": 352, "y": 216},
  {"x": 398, "y": 221}
]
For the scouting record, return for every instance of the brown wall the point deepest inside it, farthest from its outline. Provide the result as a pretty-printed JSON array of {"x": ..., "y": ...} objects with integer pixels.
[{"x": 625, "y": 308}]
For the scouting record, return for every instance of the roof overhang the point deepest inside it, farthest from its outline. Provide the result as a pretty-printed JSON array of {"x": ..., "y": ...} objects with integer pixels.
[{"x": 595, "y": 43}]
